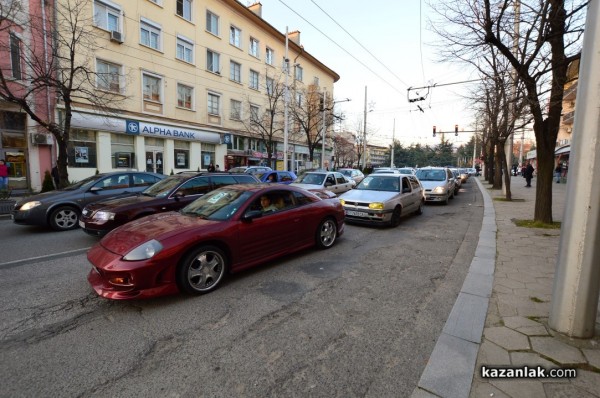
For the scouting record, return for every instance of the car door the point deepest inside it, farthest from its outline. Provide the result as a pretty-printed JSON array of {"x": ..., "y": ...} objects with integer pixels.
[
  {"x": 341, "y": 182},
  {"x": 270, "y": 234},
  {"x": 107, "y": 187}
]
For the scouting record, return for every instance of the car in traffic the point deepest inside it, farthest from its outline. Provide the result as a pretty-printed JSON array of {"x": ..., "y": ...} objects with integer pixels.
[
  {"x": 281, "y": 177},
  {"x": 222, "y": 232},
  {"x": 250, "y": 169},
  {"x": 383, "y": 199},
  {"x": 60, "y": 209},
  {"x": 438, "y": 182},
  {"x": 330, "y": 180},
  {"x": 171, "y": 193},
  {"x": 457, "y": 180},
  {"x": 354, "y": 174}
]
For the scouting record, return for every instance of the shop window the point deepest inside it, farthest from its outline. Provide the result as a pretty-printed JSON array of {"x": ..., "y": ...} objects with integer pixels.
[
  {"x": 81, "y": 149},
  {"x": 208, "y": 155},
  {"x": 122, "y": 151},
  {"x": 182, "y": 155},
  {"x": 12, "y": 121}
]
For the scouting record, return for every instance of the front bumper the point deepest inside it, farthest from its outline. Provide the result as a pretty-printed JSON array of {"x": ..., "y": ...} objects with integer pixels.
[
  {"x": 367, "y": 216},
  {"x": 35, "y": 216}
]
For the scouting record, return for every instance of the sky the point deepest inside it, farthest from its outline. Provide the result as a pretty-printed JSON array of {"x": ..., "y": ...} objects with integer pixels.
[{"x": 387, "y": 47}]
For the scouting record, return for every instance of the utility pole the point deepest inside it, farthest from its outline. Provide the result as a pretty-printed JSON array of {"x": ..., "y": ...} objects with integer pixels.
[
  {"x": 324, "y": 128},
  {"x": 365, "y": 134},
  {"x": 393, "y": 134},
  {"x": 577, "y": 276},
  {"x": 286, "y": 95}
]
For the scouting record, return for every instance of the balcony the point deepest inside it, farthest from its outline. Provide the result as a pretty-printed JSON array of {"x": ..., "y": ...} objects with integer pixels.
[
  {"x": 568, "y": 117},
  {"x": 571, "y": 92}
]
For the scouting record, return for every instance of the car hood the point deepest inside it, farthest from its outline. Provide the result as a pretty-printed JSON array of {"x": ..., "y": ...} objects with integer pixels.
[
  {"x": 432, "y": 184},
  {"x": 129, "y": 201},
  {"x": 307, "y": 186},
  {"x": 50, "y": 197},
  {"x": 157, "y": 226},
  {"x": 359, "y": 195}
]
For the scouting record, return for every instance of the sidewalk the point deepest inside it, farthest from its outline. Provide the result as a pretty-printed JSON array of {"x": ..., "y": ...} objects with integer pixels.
[{"x": 500, "y": 317}]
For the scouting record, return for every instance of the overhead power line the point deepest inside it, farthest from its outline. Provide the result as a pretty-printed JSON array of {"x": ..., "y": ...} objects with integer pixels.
[{"x": 342, "y": 48}]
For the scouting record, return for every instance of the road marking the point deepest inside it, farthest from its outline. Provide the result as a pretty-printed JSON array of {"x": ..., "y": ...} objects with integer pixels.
[{"x": 16, "y": 263}]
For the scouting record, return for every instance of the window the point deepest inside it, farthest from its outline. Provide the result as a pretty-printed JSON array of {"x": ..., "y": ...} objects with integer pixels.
[
  {"x": 254, "y": 79},
  {"x": 235, "y": 72},
  {"x": 81, "y": 149},
  {"x": 212, "y": 23},
  {"x": 299, "y": 73},
  {"x": 270, "y": 86},
  {"x": 195, "y": 186},
  {"x": 185, "y": 95},
  {"x": 185, "y": 49},
  {"x": 212, "y": 61},
  {"x": 254, "y": 117},
  {"x": 150, "y": 34},
  {"x": 236, "y": 110},
  {"x": 182, "y": 154},
  {"x": 122, "y": 151},
  {"x": 208, "y": 155},
  {"x": 107, "y": 16},
  {"x": 298, "y": 99},
  {"x": 235, "y": 37},
  {"x": 237, "y": 143},
  {"x": 214, "y": 104},
  {"x": 15, "y": 56},
  {"x": 184, "y": 9},
  {"x": 152, "y": 87},
  {"x": 316, "y": 81},
  {"x": 269, "y": 56},
  {"x": 109, "y": 76},
  {"x": 254, "y": 47}
]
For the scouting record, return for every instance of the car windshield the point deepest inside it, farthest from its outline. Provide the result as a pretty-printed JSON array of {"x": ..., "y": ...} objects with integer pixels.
[
  {"x": 85, "y": 183},
  {"x": 346, "y": 172},
  {"x": 405, "y": 171},
  {"x": 431, "y": 175},
  {"x": 379, "y": 183},
  {"x": 163, "y": 187},
  {"x": 237, "y": 169},
  {"x": 312, "y": 178},
  {"x": 220, "y": 204}
]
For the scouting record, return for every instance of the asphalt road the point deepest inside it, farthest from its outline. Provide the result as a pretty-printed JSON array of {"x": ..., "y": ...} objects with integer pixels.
[{"x": 358, "y": 320}]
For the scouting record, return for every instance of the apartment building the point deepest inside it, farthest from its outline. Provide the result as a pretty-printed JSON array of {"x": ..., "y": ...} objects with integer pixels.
[
  {"x": 183, "y": 78},
  {"x": 191, "y": 73}
]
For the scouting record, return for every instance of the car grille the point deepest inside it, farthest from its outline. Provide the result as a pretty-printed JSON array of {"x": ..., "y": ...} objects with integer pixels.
[{"x": 357, "y": 204}]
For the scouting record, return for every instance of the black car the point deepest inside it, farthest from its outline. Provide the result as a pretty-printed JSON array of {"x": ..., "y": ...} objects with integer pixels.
[
  {"x": 60, "y": 209},
  {"x": 172, "y": 193}
]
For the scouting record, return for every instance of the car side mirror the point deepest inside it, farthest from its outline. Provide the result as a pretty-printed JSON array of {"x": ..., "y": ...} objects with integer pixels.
[
  {"x": 405, "y": 190},
  {"x": 178, "y": 195},
  {"x": 251, "y": 215},
  {"x": 328, "y": 183},
  {"x": 95, "y": 189}
]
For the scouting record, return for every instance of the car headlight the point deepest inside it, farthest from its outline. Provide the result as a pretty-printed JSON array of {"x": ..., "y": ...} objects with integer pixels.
[
  {"x": 144, "y": 251},
  {"x": 30, "y": 205},
  {"x": 343, "y": 202},
  {"x": 439, "y": 190},
  {"x": 104, "y": 216},
  {"x": 376, "y": 206}
]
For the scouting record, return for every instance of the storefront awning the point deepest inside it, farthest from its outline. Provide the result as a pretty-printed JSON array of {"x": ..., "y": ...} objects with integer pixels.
[{"x": 563, "y": 150}]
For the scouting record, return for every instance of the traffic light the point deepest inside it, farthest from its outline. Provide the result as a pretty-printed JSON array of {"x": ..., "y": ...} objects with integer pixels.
[
  {"x": 434, "y": 131},
  {"x": 456, "y": 130}
]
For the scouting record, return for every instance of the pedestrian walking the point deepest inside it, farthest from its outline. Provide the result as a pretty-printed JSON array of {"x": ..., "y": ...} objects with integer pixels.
[
  {"x": 211, "y": 168},
  {"x": 3, "y": 175},
  {"x": 558, "y": 172},
  {"x": 528, "y": 174}
]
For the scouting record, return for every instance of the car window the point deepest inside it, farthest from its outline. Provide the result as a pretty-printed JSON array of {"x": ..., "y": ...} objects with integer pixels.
[
  {"x": 117, "y": 181},
  {"x": 244, "y": 179},
  {"x": 431, "y": 175},
  {"x": 405, "y": 184},
  {"x": 340, "y": 178},
  {"x": 144, "y": 180},
  {"x": 221, "y": 181},
  {"x": 195, "y": 186},
  {"x": 312, "y": 178},
  {"x": 285, "y": 177},
  {"x": 414, "y": 183}
]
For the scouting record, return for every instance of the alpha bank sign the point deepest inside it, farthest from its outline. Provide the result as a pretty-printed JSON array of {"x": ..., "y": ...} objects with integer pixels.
[{"x": 135, "y": 127}]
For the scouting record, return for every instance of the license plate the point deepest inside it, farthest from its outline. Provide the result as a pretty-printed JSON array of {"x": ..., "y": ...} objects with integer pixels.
[
  {"x": 81, "y": 224},
  {"x": 356, "y": 213}
]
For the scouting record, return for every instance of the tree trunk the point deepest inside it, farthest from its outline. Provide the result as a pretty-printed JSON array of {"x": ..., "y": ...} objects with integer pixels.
[{"x": 545, "y": 171}]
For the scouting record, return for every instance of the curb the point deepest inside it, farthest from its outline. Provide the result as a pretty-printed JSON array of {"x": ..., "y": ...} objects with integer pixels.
[{"x": 449, "y": 371}]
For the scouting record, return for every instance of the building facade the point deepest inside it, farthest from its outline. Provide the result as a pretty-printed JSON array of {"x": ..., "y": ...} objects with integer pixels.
[{"x": 184, "y": 77}]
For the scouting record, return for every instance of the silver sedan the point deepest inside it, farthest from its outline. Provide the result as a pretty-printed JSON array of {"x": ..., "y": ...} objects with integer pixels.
[{"x": 383, "y": 199}]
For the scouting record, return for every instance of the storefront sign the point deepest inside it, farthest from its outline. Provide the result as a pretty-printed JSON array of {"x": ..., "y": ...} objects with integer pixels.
[{"x": 154, "y": 130}]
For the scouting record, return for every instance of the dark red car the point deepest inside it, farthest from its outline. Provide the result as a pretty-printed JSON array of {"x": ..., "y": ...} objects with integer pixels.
[
  {"x": 224, "y": 231},
  {"x": 172, "y": 193}
]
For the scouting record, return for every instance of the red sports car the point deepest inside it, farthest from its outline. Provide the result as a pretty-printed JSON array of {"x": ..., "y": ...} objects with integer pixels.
[{"x": 226, "y": 230}]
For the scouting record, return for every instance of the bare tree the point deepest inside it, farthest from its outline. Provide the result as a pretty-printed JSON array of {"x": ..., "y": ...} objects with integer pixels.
[
  {"x": 59, "y": 61},
  {"x": 268, "y": 125},
  {"x": 344, "y": 151},
  {"x": 539, "y": 38}
]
